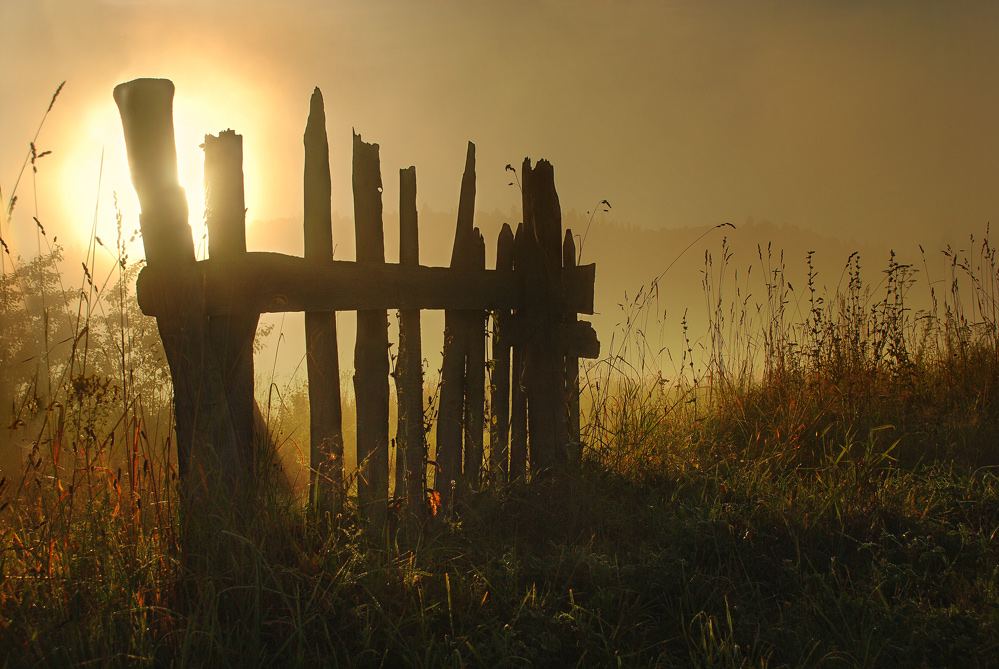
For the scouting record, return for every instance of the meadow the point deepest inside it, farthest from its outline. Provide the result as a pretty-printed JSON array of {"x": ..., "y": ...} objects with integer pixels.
[{"x": 813, "y": 482}]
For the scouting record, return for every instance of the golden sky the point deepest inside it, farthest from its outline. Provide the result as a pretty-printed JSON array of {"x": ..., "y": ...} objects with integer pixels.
[
  {"x": 873, "y": 120},
  {"x": 873, "y": 123}
]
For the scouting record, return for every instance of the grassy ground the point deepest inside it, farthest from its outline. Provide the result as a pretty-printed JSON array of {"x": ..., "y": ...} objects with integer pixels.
[{"x": 837, "y": 507}]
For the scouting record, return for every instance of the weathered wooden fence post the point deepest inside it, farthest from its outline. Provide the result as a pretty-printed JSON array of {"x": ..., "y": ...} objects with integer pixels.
[
  {"x": 542, "y": 318},
  {"x": 323, "y": 363},
  {"x": 410, "y": 437},
  {"x": 212, "y": 465},
  {"x": 371, "y": 363},
  {"x": 450, "y": 424},
  {"x": 231, "y": 335}
]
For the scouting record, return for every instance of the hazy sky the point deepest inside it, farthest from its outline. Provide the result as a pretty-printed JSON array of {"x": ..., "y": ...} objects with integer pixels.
[{"x": 875, "y": 120}]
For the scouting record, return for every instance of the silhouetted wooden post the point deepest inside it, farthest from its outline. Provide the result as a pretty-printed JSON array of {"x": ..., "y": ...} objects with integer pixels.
[
  {"x": 322, "y": 354},
  {"x": 371, "y": 363},
  {"x": 499, "y": 422},
  {"x": 545, "y": 360},
  {"x": 409, "y": 367},
  {"x": 571, "y": 361},
  {"x": 231, "y": 335},
  {"x": 518, "y": 394},
  {"x": 210, "y": 462},
  {"x": 475, "y": 375},
  {"x": 449, "y": 415}
]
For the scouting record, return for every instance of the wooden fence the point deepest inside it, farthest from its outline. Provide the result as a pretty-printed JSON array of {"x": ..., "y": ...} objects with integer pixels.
[{"x": 207, "y": 316}]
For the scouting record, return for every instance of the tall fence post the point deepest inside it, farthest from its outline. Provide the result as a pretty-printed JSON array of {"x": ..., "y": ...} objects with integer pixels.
[
  {"x": 545, "y": 344},
  {"x": 210, "y": 462},
  {"x": 231, "y": 335},
  {"x": 322, "y": 354},
  {"x": 450, "y": 424},
  {"x": 410, "y": 437},
  {"x": 371, "y": 363}
]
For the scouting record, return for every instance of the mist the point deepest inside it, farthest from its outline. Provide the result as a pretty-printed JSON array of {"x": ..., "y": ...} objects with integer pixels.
[{"x": 868, "y": 125}]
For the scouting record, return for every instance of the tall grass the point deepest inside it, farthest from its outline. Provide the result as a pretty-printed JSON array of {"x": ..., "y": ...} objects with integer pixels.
[{"x": 784, "y": 376}]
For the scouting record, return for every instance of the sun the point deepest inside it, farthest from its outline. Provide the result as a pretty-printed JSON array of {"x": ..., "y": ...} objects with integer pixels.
[{"x": 95, "y": 189}]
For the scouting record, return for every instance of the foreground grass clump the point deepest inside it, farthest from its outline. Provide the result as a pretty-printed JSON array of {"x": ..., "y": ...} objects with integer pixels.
[{"x": 726, "y": 566}]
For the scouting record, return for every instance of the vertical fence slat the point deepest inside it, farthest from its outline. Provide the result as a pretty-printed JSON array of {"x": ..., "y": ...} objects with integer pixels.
[
  {"x": 499, "y": 423},
  {"x": 475, "y": 375},
  {"x": 231, "y": 335},
  {"x": 322, "y": 353},
  {"x": 371, "y": 364},
  {"x": 518, "y": 394},
  {"x": 449, "y": 416},
  {"x": 545, "y": 361},
  {"x": 571, "y": 362},
  {"x": 409, "y": 370}
]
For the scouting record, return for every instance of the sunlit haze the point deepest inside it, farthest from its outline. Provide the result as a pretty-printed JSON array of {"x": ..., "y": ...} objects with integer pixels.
[{"x": 869, "y": 123}]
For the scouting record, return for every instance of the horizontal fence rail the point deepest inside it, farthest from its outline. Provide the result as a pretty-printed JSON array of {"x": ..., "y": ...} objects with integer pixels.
[{"x": 264, "y": 282}]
